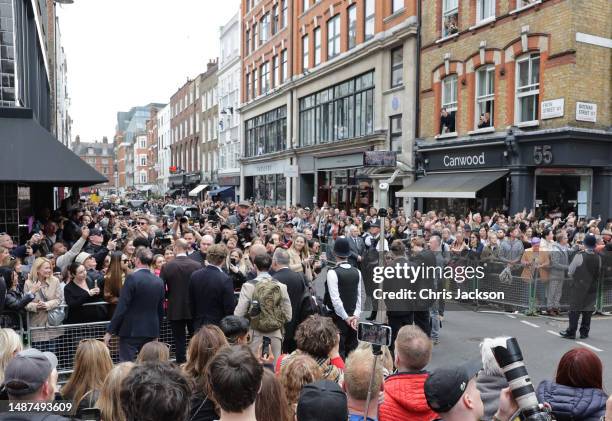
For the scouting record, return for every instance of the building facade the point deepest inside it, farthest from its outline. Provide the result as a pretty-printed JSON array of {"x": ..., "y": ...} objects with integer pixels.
[
  {"x": 163, "y": 148},
  {"x": 152, "y": 152},
  {"x": 323, "y": 84},
  {"x": 63, "y": 121},
  {"x": 98, "y": 155},
  {"x": 515, "y": 107},
  {"x": 209, "y": 124},
  {"x": 229, "y": 82}
]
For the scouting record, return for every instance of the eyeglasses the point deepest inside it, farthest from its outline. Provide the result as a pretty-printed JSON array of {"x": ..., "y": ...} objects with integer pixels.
[{"x": 142, "y": 223}]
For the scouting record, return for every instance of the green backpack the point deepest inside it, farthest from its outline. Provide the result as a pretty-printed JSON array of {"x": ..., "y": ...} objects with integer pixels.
[{"x": 269, "y": 316}]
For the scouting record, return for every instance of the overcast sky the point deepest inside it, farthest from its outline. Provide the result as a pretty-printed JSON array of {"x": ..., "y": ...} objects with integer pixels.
[{"x": 124, "y": 53}]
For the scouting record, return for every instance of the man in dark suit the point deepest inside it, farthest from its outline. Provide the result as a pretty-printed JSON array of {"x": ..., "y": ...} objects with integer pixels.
[
  {"x": 211, "y": 291},
  {"x": 176, "y": 275},
  {"x": 200, "y": 255},
  {"x": 140, "y": 310},
  {"x": 357, "y": 248},
  {"x": 295, "y": 288}
]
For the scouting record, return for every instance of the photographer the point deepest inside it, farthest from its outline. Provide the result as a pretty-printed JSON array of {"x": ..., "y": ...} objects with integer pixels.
[{"x": 243, "y": 223}]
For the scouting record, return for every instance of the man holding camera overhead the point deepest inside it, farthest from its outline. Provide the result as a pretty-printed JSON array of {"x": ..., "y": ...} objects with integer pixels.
[{"x": 343, "y": 296}]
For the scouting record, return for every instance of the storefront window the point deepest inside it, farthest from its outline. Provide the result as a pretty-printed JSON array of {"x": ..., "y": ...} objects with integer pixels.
[
  {"x": 266, "y": 133},
  {"x": 344, "y": 111},
  {"x": 270, "y": 190},
  {"x": 342, "y": 189}
]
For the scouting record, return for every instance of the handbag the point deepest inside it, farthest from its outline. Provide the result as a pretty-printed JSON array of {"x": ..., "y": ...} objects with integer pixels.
[{"x": 56, "y": 316}]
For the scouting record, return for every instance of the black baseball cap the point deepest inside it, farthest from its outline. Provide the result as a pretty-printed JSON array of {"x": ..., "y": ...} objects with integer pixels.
[
  {"x": 27, "y": 371},
  {"x": 445, "y": 386},
  {"x": 322, "y": 401}
]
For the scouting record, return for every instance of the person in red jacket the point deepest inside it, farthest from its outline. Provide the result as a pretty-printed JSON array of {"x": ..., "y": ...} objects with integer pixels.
[{"x": 404, "y": 390}]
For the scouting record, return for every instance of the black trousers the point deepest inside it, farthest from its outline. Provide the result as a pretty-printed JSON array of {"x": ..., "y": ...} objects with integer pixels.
[
  {"x": 585, "y": 326},
  {"x": 419, "y": 318},
  {"x": 180, "y": 338},
  {"x": 348, "y": 337},
  {"x": 130, "y": 347}
]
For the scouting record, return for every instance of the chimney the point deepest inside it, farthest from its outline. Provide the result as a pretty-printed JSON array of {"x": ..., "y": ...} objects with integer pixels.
[
  {"x": 105, "y": 140},
  {"x": 77, "y": 139},
  {"x": 211, "y": 63}
]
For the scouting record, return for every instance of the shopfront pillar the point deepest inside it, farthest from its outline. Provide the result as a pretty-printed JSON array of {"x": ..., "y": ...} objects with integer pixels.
[
  {"x": 602, "y": 193},
  {"x": 520, "y": 190}
]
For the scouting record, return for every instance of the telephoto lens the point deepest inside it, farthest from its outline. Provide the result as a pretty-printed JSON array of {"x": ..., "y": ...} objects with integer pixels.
[{"x": 510, "y": 359}]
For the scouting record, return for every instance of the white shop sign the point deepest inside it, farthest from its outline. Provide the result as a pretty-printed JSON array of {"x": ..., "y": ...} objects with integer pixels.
[
  {"x": 292, "y": 171},
  {"x": 266, "y": 168},
  {"x": 586, "y": 111},
  {"x": 553, "y": 108}
]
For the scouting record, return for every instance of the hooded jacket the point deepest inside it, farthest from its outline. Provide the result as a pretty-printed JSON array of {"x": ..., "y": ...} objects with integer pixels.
[
  {"x": 573, "y": 403},
  {"x": 490, "y": 387},
  {"x": 405, "y": 398}
]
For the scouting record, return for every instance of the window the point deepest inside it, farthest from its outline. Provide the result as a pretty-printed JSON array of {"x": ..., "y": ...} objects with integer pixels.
[
  {"x": 527, "y": 88},
  {"x": 343, "y": 111},
  {"x": 370, "y": 16},
  {"x": 333, "y": 37},
  {"x": 525, "y": 3},
  {"x": 395, "y": 133},
  {"x": 352, "y": 26},
  {"x": 485, "y": 96},
  {"x": 142, "y": 160},
  {"x": 255, "y": 83},
  {"x": 104, "y": 161},
  {"x": 449, "y": 104},
  {"x": 248, "y": 87},
  {"x": 247, "y": 44},
  {"x": 275, "y": 72},
  {"x": 143, "y": 177},
  {"x": 397, "y": 66},
  {"x": 396, "y": 5},
  {"x": 254, "y": 37},
  {"x": 450, "y": 17},
  {"x": 264, "y": 29},
  {"x": 275, "y": 19},
  {"x": 142, "y": 142},
  {"x": 284, "y": 68},
  {"x": 266, "y": 133},
  {"x": 485, "y": 10},
  {"x": 90, "y": 151},
  {"x": 317, "y": 35},
  {"x": 284, "y": 12},
  {"x": 305, "y": 54},
  {"x": 265, "y": 77},
  {"x": 305, "y": 5}
]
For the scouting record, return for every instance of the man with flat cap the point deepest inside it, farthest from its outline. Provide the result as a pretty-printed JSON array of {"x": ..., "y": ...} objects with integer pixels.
[
  {"x": 343, "y": 296},
  {"x": 451, "y": 392}
]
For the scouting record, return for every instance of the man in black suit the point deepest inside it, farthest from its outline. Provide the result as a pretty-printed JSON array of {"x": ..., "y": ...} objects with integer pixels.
[
  {"x": 176, "y": 275},
  {"x": 200, "y": 255},
  {"x": 140, "y": 310},
  {"x": 211, "y": 291},
  {"x": 357, "y": 247},
  {"x": 295, "y": 288}
]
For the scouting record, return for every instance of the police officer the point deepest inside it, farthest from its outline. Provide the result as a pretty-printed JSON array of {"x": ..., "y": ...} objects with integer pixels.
[
  {"x": 343, "y": 296},
  {"x": 585, "y": 270},
  {"x": 374, "y": 246}
]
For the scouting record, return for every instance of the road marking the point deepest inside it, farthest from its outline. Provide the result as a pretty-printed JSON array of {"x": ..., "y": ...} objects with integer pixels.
[
  {"x": 511, "y": 316},
  {"x": 554, "y": 333},
  {"x": 529, "y": 323},
  {"x": 589, "y": 346}
]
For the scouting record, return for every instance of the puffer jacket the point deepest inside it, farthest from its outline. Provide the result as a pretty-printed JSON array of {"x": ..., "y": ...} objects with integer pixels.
[
  {"x": 405, "y": 398},
  {"x": 572, "y": 403}
]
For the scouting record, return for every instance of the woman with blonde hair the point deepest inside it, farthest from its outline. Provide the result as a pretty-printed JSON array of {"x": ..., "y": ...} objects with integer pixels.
[
  {"x": 48, "y": 296},
  {"x": 92, "y": 363},
  {"x": 300, "y": 259},
  {"x": 154, "y": 351},
  {"x": 297, "y": 373},
  {"x": 109, "y": 402},
  {"x": 10, "y": 344}
]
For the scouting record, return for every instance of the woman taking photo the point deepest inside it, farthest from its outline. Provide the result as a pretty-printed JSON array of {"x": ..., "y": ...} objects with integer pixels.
[
  {"x": 300, "y": 259},
  {"x": 92, "y": 363},
  {"x": 129, "y": 250},
  {"x": 16, "y": 300},
  {"x": 77, "y": 293},
  {"x": 233, "y": 268},
  {"x": 114, "y": 279},
  {"x": 48, "y": 296}
]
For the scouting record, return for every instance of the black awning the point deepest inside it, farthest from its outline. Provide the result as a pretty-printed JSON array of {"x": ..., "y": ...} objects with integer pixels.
[
  {"x": 451, "y": 185},
  {"x": 30, "y": 154}
]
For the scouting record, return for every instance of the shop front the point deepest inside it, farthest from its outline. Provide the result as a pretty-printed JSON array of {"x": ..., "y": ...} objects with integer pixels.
[
  {"x": 266, "y": 182},
  {"x": 340, "y": 183}
]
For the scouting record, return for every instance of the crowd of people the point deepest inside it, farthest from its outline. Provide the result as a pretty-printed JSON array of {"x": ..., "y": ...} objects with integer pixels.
[{"x": 252, "y": 339}]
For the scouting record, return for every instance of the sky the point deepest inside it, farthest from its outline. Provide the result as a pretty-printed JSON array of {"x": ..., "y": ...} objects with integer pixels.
[{"x": 125, "y": 53}]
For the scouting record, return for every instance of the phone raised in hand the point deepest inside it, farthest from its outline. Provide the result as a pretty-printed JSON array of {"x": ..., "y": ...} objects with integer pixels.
[{"x": 265, "y": 347}]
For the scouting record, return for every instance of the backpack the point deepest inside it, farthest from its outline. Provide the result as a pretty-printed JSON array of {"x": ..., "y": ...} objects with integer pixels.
[
  {"x": 308, "y": 303},
  {"x": 265, "y": 310}
]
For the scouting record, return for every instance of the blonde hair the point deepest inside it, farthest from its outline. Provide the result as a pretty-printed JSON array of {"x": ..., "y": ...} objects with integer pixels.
[
  {"x": 386, "y": 358},
  {"x": 38, "y": 263},
  {"x": 109, "y": 402},
  {"x": 299, "y": 371},
  {"x": 357, "y": 372},
  {"x": 92, "y": 363},
  {"x": 305, "y": 253},
  {"x": 153, "y": 351},
  {"x": 10, "y": 344}
]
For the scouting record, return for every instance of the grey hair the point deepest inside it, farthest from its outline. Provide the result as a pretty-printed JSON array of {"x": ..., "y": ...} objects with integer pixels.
[
  {"x": 489, "y": 364},
  {"x": 281, "y": 257}
]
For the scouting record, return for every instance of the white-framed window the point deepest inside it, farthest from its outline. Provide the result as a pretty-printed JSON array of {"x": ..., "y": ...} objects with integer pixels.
[
  {"x": 142, "y": 142},
  {"x": 104, "y": 161},
  {"x": 485, "y": 10},
  {"x": 317, "y": 46},
  {"x": 352, "y": 25},
  {"x": 265, "y": 77},
  {"x": 90, "y": 151},
  {"x": 396, "y": 5},
  {"x": 305, "y": 52},
  {"x": 450, "y": 17},
  {"x": 284, "y": 13},
  {"x": 449, "y": 104},
  {"x": 275, "y": 19},
  {"x": 305, "y": 5},
  {"x": 275, "y": 71},
  {"x": 397, "y": 66},
  {"x": 247, "y": 44},
  {"x": 284, "y": 66},
  {"x": 142, "y": 160},
  {"x": 485, "y": 96},
  {"x": 248, "y": 86},
  {"x": 197, "y": 122},
  {"x": 265, "y": 28},
  {"x": 255, "y": 83},
  {"x": 255, "y": 37},
  {"x": 333, "y": 37},
  {"x": 143, "y": 177},
  {"x": 527, "y": 88},
  {"x": 370, "y": 17}
]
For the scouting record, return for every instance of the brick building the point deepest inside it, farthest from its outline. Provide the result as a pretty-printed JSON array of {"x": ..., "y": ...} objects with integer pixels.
[
  {"x": 515, "y": 106},
  {"x": 323, "y": 82},
  {"x": 209, "y": 124},
  {"x": 152, "y": 152},
  {"x": 99, "y": 155}
]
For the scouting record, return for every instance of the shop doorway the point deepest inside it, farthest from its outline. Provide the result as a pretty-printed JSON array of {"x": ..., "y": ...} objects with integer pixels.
[{"x": 563, "y": 191}]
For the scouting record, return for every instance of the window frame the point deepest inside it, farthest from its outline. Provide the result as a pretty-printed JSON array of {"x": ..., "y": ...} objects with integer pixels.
[
  {"x": 275, "y": 74},
  {"x": 351, "y": 10},
  {"x": 264, "y": 30},
  {"x": 450, "y": 106},
  {"x": 264, "y": 77},
  {"x": 305, "y": 53},
  {"x": 369, "y": 19},
  {"x": 318, "y": 54},
  {"x": 397, "y": 66},
  {"x": 395, "y": 135},
  {"x": 479, "y": 10},
  {"x": 275, "y": 27},
  {"x": 284, "y": 14},
  {"x": 489, "y": 74},
  {"x": 284, "y": 66},
  {"x": 333, "y": 39},
  {"x": 448, "y": 13},
  {"x": 397, "y": 6},
  {"x": 518, "y": 96}
]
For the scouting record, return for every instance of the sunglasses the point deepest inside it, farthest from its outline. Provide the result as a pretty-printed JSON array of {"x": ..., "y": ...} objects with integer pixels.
[{"x": 142, "y": 223}]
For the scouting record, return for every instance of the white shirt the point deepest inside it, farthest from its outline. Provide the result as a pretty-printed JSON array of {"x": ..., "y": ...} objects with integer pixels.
[
  {"x": 368, "y": 242},
  {"x": 334, "y": 294}
]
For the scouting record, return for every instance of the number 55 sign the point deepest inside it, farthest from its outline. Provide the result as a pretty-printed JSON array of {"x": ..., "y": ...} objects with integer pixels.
[{"x": 542, "y": 155}]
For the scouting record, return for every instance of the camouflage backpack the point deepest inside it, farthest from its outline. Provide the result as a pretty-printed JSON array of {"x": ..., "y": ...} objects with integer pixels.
[{"x": 269, "y": 316}]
